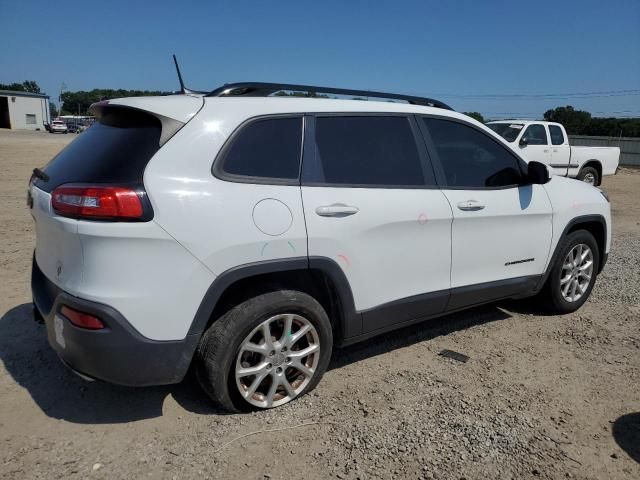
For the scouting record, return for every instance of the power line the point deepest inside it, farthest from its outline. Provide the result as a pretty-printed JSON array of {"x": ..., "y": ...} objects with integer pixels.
[{"x": 599, "y": 94}]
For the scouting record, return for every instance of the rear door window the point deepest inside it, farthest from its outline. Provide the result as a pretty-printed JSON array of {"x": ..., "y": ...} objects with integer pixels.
[
  {"x": 263, "y": 150},
  {"x": 372, "y": 150},
  {"x": 114, "y": 150},
  {"x": 536, "y": 134},
  {"x": 557, "y": 137}
]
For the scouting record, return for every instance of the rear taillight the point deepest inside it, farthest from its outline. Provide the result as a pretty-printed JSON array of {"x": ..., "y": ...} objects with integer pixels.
[
  {"x": 81, "y": 319},
  {"x": 97, "y": 202}
]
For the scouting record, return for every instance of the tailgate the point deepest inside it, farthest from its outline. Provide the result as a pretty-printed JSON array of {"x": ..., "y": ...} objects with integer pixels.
[{"x": 58, "y": 248}]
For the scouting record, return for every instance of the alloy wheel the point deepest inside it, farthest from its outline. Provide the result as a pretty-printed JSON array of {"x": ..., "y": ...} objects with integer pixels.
[
  {"x": 577, "y": 270},
  {"x": 277, "y": 360},
  {"x": 589, "y": 178}
]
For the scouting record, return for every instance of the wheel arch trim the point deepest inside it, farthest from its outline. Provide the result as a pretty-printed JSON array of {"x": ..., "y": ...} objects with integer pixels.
[
  {"x": 574, "y": 222},
  {"x": 350, "y": 321}
]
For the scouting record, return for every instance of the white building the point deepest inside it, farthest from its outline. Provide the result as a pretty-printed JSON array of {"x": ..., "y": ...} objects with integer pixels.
[{"x": 24, "y": 110}]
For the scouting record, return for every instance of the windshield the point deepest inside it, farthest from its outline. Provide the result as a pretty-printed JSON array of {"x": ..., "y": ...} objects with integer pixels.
[{"x": 508, "y": 131}]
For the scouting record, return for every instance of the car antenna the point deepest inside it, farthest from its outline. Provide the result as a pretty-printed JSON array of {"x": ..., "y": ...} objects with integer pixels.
[{"x": 183, "y": 89}]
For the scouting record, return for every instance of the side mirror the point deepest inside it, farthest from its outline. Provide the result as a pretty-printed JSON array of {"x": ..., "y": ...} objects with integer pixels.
[
  {"x": 524, "y": 141},
  {"x": 537, "y": 173}
]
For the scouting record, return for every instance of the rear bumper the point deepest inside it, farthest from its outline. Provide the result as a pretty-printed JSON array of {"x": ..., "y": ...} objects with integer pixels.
[{"x": 117, "y": 354}]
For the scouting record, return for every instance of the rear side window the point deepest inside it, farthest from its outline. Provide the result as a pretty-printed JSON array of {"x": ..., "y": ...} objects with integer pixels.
[
  {"x": 557, "y": 137},
  {"x": 470, "y": 158},
  {"x": 268, "y": 148},
  {"x": 366, "y": 151},
  {"x": 536, "y": 134},
  {"x": 115, "y": 150}
]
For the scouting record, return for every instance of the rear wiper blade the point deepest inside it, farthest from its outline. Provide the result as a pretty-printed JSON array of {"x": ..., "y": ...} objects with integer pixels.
[{"x": 40, "y": 174}]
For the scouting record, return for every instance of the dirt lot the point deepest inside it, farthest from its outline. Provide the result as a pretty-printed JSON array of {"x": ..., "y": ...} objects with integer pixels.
[{"x": 541, "y": 397}]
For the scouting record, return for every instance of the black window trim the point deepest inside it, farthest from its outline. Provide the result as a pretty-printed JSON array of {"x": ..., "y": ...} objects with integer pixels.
[
  {"x": 437, "y": 163},
  {"x": 309, "y": 151},
  {"x": 217, "y": 169}
]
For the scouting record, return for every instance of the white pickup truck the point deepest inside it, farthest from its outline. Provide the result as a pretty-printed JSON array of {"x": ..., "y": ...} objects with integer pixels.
[{"x": 547, "y": 142}]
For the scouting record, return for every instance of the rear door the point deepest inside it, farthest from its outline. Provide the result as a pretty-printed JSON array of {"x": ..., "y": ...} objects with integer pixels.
[
  {"x": 560, "y": 150},
  {"x": 501, "y": 230},
  {"x": 371, "y": 205},
  {"x": 537, "y": 145}
]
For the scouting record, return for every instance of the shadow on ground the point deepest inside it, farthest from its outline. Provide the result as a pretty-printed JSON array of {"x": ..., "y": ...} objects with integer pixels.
[
  {"x": 56, "y": 390},
  {"x": 626, "y": 432},
  {"x": 60, "y": 394}
]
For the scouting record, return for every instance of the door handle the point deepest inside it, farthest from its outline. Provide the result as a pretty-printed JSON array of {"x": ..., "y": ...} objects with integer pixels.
[
  {"x": 470, "y": 206},
  {"x": 337, "y": 210},
  {"x": 546, "y": 151}
]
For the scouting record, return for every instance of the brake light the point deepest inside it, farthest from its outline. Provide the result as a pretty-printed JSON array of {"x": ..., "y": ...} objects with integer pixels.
[
  {"x": 81, "y": 319},
  {"x": 96, "y": 202}
]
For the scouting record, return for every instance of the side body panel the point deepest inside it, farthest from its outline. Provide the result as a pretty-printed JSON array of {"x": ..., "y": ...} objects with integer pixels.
[
  {"x": 510, "y": 237},
  {"x": 608, "y": 157},
  {"x": 571, "y": 199},
  {"x": 223, "y": 224},
  {"x": 396, "y": 246}
]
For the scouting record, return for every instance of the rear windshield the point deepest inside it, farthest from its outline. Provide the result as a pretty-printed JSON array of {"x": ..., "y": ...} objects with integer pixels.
[
  {"x": 115, "y": 150},
  {"x": 508, "y": 131}
]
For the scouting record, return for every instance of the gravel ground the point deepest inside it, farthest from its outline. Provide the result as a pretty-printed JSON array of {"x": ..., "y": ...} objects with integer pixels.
[{"x": 541, "y": 396}]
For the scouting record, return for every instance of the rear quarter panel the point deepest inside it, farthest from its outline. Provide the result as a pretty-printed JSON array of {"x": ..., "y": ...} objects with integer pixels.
[
  {"x": 608, "y": 157},
  {"x": 212, "y": 218}
]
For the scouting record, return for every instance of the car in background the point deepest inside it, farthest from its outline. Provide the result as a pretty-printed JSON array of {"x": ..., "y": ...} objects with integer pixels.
[
  {"x": 75, "y": 128},
  {"x": 548, "y": 143},
  {"x": 58, "y": 126}
]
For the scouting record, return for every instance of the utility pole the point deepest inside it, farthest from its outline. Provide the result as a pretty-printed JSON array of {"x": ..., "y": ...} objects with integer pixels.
[{"x": 62, "y": 87}]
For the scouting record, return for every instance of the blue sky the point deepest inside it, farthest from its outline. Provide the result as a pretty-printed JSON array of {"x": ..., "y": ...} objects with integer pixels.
[{"x": 450, "y": 50}]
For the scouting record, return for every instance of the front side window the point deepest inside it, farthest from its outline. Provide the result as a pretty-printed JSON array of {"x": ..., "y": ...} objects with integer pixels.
[
  {"x": 508, "y": 131},
  {"x": 470, "y": 158},
  {"x": 366, "y": 151},
  {"x": 536, "y": 134},
  {"x": 557, "y": 137},
  {"x": 266, "y": 148}
]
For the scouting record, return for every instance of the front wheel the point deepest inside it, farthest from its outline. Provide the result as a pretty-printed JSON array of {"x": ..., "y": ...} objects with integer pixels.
[
  {"x": 573, "y": 275},
  {"x": 589, "y": 175},
  {"x": 265, "y": 352}
]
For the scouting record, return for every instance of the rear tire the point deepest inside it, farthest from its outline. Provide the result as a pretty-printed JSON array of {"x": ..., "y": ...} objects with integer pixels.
[
  {"x": 568, "y": 287},
  {"x": 236, "y": 344},
  {"x": 589, "y": 175}
]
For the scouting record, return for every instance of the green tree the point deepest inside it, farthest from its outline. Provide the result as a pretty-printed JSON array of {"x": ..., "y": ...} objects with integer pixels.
[
  {"x": 74, "y": 103},
  {"x": 31, "y": 86},
  {"x": 26, "y": 86},
  {"x": 574, "y": 121},
  {"x": 477, "y": 115}
]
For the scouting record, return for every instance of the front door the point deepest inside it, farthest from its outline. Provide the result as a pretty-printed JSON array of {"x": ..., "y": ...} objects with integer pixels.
[
  {"x": 371, "y": 205},
  {"x": 537, "y": 144},
  {"x": 501, "y": 230}
]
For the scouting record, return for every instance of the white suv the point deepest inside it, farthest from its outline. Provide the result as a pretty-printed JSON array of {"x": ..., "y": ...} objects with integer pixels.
[{"x": 249, "y": 233}]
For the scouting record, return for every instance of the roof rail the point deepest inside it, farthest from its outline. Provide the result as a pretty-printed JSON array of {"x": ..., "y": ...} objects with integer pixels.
[{"x": 257, "y": 89}]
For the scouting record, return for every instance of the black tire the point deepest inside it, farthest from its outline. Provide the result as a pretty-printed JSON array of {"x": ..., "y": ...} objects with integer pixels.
[
  {"x": 220, "y": 344},
  {"x": 589, "y": 172},
  {"x": 551, "y": 293}
]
